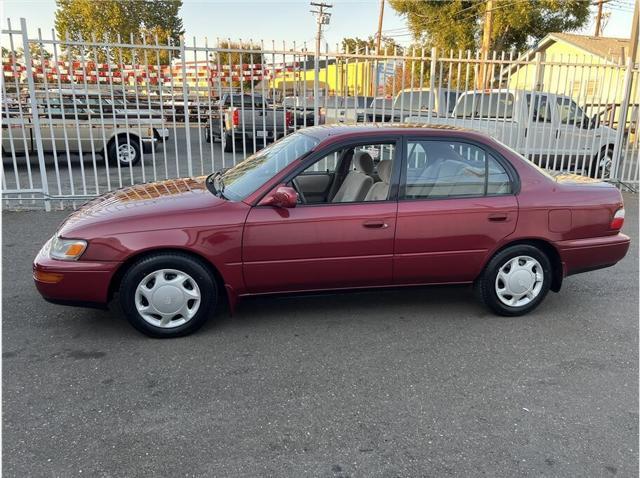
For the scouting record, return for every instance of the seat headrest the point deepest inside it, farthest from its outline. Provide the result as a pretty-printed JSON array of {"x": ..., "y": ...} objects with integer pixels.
[
  {"x": 384, "y": 170},
  {"x": 363, "y": 162}
]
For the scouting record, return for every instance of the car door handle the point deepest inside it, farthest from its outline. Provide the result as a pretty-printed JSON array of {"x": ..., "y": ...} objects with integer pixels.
[
  {"x": 375, "y": 224},
  {"x": 497, "y": 217}
]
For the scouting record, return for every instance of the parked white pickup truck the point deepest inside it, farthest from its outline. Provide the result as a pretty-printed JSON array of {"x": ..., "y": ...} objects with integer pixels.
[{"x": 550, "y": 129}]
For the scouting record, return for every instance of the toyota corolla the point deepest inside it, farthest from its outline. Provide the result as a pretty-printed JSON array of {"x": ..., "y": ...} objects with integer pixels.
[{"x": 331, "y": 208}]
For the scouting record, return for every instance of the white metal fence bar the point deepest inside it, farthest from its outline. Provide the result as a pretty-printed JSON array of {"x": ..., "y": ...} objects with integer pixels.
[{"x": 75, "y": 104}]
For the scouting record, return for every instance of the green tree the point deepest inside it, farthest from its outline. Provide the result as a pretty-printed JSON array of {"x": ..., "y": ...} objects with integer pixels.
[
  {"x": 37, "y": 51},
  {"x": 457, "y": 24},
  {"x": 128, "y": 19},
  {"x": 243, "y": 53},
  {"x": 358, "y": 45}
]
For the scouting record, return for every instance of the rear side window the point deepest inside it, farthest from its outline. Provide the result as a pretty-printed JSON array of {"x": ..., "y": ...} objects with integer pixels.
[
  {"x": 485, "y": 105},
  {"x": 539, "y": 108},
  {"x": 443, "y": 169}
]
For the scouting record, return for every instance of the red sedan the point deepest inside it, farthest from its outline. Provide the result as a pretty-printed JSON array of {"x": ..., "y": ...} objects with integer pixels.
[{"x": 336, "y": 208}]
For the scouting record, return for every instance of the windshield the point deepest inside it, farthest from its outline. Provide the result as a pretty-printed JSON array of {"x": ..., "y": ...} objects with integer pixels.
[
  {"x": 544, "y": 172},
  {"x": 245, "y": 177}
]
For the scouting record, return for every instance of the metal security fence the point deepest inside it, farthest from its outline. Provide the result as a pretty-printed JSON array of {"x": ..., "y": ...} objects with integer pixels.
[{"x": 82, "y": 117}]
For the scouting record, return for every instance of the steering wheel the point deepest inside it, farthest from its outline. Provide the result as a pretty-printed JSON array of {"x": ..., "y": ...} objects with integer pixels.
[{"x": 296, "y": 186}]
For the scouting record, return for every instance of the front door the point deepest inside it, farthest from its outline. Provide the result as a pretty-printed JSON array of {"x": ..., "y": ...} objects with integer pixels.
[
  {"x": 575, "y": 140},
  {"x": 451, "y": 213},
  {"x": 341, "y": 233}
]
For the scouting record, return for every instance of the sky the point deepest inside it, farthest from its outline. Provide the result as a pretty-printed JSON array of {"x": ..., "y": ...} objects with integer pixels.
[{"x": 281, "y": 20}]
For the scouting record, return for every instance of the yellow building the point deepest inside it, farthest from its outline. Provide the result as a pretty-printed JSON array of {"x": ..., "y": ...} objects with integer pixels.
[
  {"x": 342, "y": 77},
  {"x": 589, "y": 69}
]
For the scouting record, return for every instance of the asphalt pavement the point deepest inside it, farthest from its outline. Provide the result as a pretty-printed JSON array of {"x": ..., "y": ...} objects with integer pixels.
[{"x": 403, "y": 383}]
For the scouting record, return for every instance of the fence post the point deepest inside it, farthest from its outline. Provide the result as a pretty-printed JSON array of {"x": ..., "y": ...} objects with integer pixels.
[
  {"x": 622, "y": 120},
  {"x": 185, "y": 98},
  {"x": 432, "y": 81},
  {"x": 538, "y": 78},
  {"x": 35, "y": 119}
]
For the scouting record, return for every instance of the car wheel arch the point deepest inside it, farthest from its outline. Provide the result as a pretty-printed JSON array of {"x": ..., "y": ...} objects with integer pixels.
[
  {"x": 116, "y": 280},
  {"x": 545, "y": 246}
]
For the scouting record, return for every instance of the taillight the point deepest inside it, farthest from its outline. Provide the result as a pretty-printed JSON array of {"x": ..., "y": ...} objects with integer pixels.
[
  {"x": 618, "y": 220},
  {"x": 235, "y": 117},
  {"x": 289, "y": 118}
]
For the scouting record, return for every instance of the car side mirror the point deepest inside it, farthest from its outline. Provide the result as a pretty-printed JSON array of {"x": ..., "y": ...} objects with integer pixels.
[{"x": 282, "y": 196}]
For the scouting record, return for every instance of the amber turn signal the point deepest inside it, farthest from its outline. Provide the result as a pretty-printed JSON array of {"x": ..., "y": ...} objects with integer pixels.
[{"x": 47, "y": 277}]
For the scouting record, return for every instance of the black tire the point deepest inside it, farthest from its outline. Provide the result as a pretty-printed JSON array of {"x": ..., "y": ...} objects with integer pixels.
[
  {"x": 486, "y": 284},
  {"x": 227, "y": 144},
  {"x": 601, "y": 164},
  {"x": 197, "y": 271},
  {"x": 112, "y": 150}
]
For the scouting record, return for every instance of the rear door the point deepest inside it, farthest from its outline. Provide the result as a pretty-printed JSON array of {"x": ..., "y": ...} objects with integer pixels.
[{"x": 456, "y": 204}]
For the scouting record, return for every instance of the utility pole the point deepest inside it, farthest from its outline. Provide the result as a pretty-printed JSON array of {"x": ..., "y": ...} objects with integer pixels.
[
  {"x": 322, "y": 18},
  {"x": 598, "y": 19},
  {"x": 374, "y": 71},
  {"x": 379, "y": 34},
  {"x": 634, "y": 30},
  {"x": 626, "y": 92},
  {"x": 486, "y": 42}
]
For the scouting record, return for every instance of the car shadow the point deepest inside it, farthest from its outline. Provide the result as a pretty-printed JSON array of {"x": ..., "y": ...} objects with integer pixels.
[{"x": 436, "y": 302}]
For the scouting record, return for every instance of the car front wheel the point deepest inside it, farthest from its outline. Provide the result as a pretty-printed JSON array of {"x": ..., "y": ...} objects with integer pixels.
[
  {"x": 168, "y": 295},
  {"x": 516, "y": 280}
]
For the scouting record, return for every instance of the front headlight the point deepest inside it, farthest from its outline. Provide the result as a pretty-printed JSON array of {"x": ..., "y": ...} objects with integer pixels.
[{"x": 67, "y": 249}]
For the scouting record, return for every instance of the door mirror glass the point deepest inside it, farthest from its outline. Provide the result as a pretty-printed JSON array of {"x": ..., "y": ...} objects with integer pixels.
[{"x": 282, "y": 196}]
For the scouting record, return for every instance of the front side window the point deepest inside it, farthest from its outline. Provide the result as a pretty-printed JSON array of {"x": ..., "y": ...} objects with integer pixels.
[
  {"x": 352, "y": 174},
  {"x": 246, "y": 177},
  {"x": 442, "y": 169}
]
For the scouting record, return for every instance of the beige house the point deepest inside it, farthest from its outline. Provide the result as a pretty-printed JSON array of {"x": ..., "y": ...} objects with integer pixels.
[{"x": 589, "y": 69}]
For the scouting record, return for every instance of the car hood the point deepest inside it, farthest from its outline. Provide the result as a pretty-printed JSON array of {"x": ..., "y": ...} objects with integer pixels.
[{"x": 142, "y": 207}]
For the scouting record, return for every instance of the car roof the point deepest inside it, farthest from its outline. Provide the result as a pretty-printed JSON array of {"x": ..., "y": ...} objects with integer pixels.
[{"x": 335, "y": 131}]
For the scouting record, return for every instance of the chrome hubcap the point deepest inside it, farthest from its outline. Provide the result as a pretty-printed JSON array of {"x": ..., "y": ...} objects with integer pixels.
[
  {"x": 126, "y": 153},
  {"x": 605, "y": 163},
  {"x": 519, "y": 281},
  {"x": 167, "y": 298}
]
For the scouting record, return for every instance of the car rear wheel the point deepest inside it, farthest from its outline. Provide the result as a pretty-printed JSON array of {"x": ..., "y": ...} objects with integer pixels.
[
  {"x": 168, "y": 295},
  {"x": 125, "y": 151},
  {"x": 516, "y": 280},
  {"x": 601, "y": 164}
]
